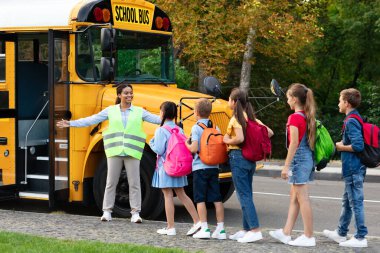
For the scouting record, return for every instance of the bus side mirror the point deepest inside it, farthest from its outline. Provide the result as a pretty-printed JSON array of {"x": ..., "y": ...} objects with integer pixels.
[
  {"x": 108, "y": 39},
  {"x": 276, "y": 89},
  {"x": 212, "y": 86},
  {"x": 108, "y": 46},
  {"x": 106, "y": 68}
]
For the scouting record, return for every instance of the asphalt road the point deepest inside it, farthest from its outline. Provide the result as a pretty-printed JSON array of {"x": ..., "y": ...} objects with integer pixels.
[{"x": 271, "y": 199}]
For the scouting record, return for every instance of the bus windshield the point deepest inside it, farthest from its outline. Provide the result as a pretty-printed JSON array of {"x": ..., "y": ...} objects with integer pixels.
[{"x": 140, "y": 57}]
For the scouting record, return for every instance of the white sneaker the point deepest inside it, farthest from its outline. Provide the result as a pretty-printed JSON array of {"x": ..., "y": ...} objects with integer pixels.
[
  {"x": 333, "y": 235},
  {"x": 251, "y": 237},
  {"x": 194, "y": 229},
  {"x": 303, "y": 241},
  {"x": 280, "y": 236},
  {"x": 202, "y": 234},
  {"x": 106, "y": 216},
  {"x": 136, "y": 218},
  {"x": 219, "y": 234},
  {"x": 237, "y": 235},
  {"x": 167, "y": 231},
  {"x": 355, "y": 243}
]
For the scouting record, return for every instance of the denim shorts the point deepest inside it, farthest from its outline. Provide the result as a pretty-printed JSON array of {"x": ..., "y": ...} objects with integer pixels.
[
  {"x": 206, "y": 185},
  {"x": 301, "y": 169}
]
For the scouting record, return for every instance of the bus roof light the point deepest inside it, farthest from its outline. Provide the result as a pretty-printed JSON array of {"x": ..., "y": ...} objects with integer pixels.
[
  {"x": 106, "y": 15},
  {"x": 159, "y": 23},
  {"x": 166, "y": 23},
  {"x": 98, "y": 14}
]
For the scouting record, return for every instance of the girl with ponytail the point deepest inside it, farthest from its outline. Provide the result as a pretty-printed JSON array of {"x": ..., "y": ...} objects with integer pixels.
[
  {"x": 299, "y": 164},
  {"x": 242, "y": 169},
  {"x": 168, "y": 184}
]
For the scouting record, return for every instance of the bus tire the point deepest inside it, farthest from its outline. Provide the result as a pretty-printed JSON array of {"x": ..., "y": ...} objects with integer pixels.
[
  {"x": 152, "y": 202},
  {"x": 226, "y": 190}
]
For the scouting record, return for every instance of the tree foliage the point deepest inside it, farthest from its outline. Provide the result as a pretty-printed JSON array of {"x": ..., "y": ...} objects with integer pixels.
[
  {"x": 329, "y": 45},
  {"x": 213, "y": 33}
]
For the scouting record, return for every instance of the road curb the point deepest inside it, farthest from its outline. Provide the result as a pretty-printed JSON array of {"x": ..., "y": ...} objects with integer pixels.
[{"x": 269, "y": 171}]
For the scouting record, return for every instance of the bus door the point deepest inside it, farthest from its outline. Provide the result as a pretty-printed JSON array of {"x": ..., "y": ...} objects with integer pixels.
[
  {"x": 58, "y": 109},
  {"x": 7, "y": 117}
]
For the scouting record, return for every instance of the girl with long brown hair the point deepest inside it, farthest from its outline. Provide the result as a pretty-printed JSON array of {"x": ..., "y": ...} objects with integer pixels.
[
  {"x": 242, "y": 169},
  {"x": 168, "y": 184},
  {"x": 299, "y": 164}
]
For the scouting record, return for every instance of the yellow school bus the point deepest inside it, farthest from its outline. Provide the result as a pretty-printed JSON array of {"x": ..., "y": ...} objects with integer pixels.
[{"x": 63, "y": 59}]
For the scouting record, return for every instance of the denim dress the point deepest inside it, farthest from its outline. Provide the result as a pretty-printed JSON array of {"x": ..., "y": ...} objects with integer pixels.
[
  {"x": 159, "y": 145},
  {"x": 301, "y": 169}
]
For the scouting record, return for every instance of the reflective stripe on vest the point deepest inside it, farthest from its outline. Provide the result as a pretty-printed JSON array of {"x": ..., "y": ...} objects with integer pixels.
[{"x": 129, "y": 140}]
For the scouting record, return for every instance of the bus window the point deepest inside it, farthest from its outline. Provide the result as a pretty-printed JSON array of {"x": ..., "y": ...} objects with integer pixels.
[
  {"x": 88, "y": 55},
  {"x": 25, "y": 50},
  {"x": 140, "y": 57},
  {"x": 33, "y": 50},
  {"x": 2, "y": 61},
  {"x": 143, "y": 57}
]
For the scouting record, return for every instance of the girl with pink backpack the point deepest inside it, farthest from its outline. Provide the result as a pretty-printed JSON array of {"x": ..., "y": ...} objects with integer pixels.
[{"x": 161, "y": 179}]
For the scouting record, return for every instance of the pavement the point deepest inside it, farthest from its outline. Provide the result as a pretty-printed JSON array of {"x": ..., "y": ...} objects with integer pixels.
[
  {"x": 333, "y": 171},
  {"x": 120, "y": 230},
  {"x": 62, "y": 225}
]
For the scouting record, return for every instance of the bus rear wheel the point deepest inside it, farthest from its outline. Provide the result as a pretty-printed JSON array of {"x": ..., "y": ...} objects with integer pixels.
[
  {"x": 152, "y": 202},
  {"x": 226, "y": 190}
]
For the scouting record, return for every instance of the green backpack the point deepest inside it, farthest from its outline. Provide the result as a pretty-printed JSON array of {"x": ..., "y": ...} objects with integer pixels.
[{"x": 324, "y": 148}]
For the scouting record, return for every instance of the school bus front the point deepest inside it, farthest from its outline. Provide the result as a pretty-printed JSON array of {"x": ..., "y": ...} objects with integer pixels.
[{"x": 68, "y": 67}]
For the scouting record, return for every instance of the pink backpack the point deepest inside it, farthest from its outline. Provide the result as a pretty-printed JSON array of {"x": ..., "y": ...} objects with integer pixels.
[{"x": 178, "y": 160}]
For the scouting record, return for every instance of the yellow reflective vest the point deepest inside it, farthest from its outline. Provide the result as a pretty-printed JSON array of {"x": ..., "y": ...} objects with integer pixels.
[{"x": 129, "y": 140}]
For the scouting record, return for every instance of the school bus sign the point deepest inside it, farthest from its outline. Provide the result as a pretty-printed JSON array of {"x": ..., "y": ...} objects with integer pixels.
[{"x": 127, "y": 15}]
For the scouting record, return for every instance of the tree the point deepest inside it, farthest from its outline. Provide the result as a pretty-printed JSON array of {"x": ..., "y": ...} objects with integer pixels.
[{"x": 215, "y": 33}]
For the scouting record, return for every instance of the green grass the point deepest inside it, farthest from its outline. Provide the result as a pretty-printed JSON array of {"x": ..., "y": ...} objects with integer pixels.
[{"x": 15, "y": 242}]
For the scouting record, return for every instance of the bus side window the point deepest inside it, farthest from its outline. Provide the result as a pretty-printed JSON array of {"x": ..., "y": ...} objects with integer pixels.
[
  {"x": 85, "y": 68},
  {"x": 2, "y": 61}
]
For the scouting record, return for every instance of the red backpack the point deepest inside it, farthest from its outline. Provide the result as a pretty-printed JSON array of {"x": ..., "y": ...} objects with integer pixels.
[
  {"x": 257, "y": 145},
  {"x": 370, "y": 156}
]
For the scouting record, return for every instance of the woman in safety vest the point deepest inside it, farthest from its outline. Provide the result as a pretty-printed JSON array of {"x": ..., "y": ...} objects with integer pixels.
[{"x": 124, "y": 141}]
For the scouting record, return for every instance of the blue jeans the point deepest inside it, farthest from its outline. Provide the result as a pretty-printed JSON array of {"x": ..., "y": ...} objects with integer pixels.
[
  {"x": 353, "y": 198},
  {"x": 242, "y": 176}
]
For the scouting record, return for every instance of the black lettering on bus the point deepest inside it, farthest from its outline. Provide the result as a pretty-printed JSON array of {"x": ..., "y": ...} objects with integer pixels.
[
  {"x": 117, "y": 13},
  {"x": 128, "y": 15},
  {"x": 125, "y": 14},
  {"x": 147, "y": 17},
  {"x": 140, "y": 16},
  {"x": 131, "y": 15},
  {"x": 144, "y": 16},
  {"x": 134, "y": 16}
]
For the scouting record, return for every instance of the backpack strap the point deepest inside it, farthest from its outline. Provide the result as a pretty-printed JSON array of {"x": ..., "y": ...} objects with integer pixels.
[
  {"x": 286, "y": 131},
  {"x": 167, "y": 128},
  {"x": 204, "y": 126},
  {"x": 354, "y": 116},
  {"x": 171, "y": 130},
  {"x": 301, "y": 113}
]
